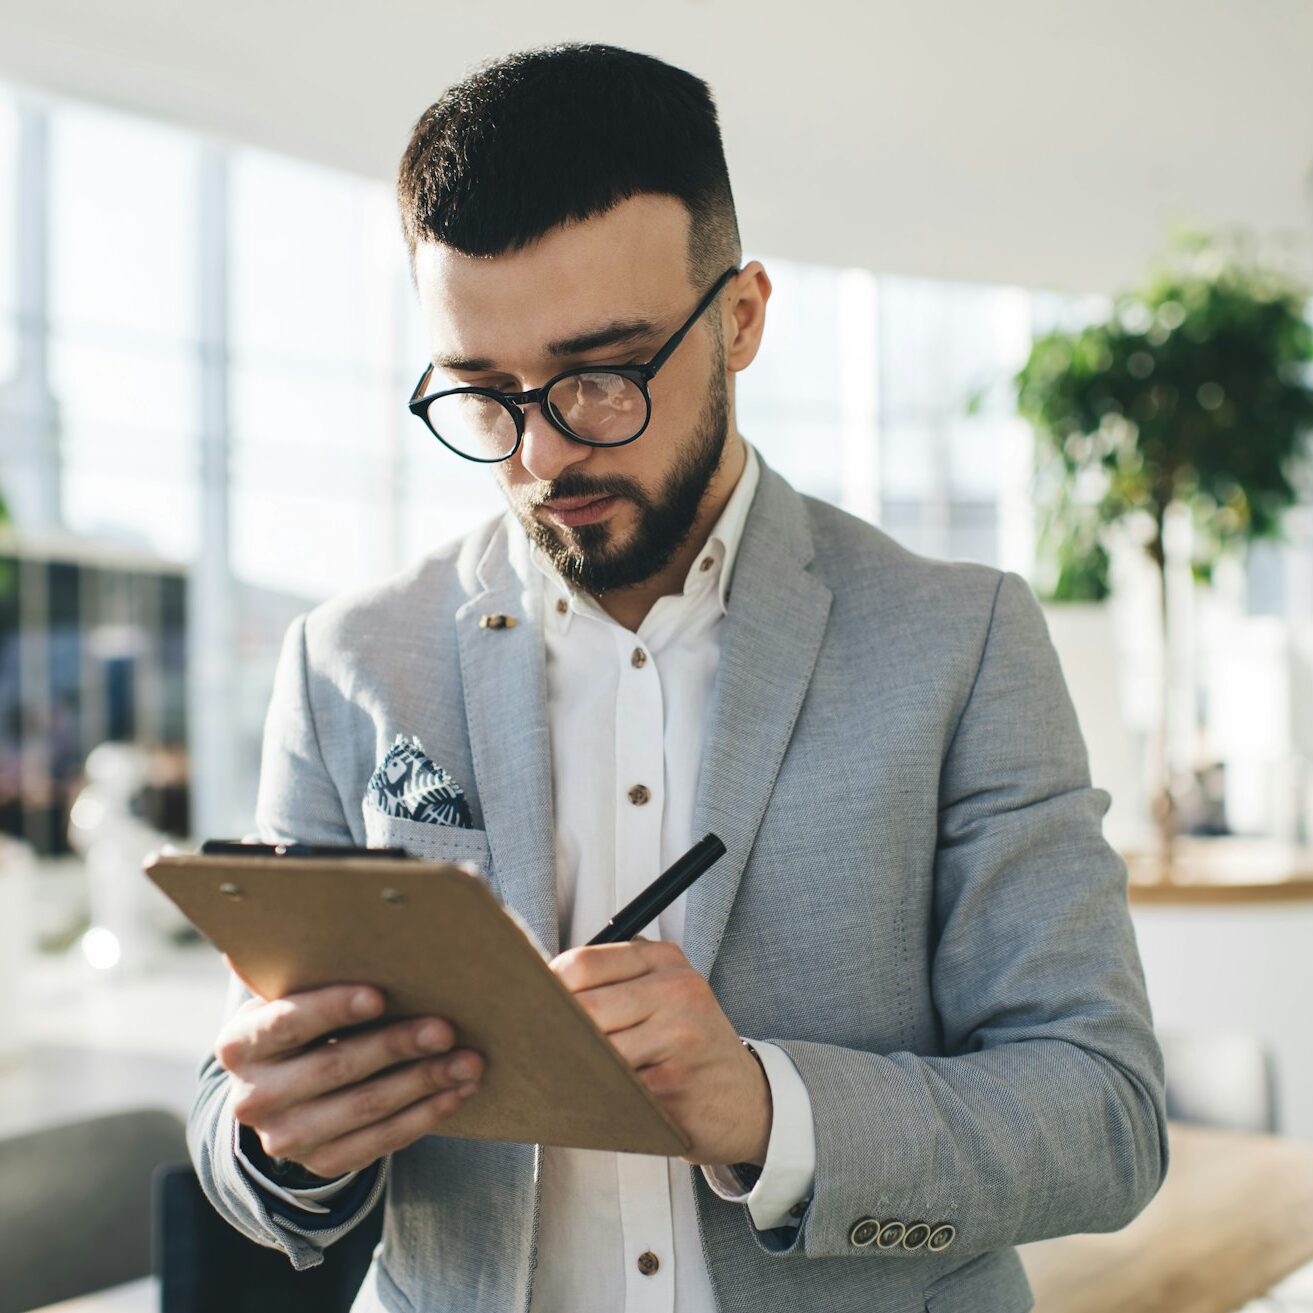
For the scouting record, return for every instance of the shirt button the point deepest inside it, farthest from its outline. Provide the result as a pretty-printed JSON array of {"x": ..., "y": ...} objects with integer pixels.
[
  {"x": 562, "y": 606},
  {"x": 639, "y": 794},
  {"x": 639, "y": 659},
  {"x": 648, "y": 1263},
  {"x": 706, "y": 563}
]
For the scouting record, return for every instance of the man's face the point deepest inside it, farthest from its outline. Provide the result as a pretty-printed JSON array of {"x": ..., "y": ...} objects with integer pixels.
[{"x": 608, "y": 291}]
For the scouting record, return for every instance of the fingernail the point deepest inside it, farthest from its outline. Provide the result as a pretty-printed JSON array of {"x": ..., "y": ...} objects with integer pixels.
[
  {"x": 462, "y": 1068},
  {"x": 466, "y": 1089},
  {"x": 364, "y": 1003},
  {"x": 432, "y": 1036}
]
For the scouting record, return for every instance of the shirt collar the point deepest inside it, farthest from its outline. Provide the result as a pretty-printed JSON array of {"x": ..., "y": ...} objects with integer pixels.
[
  {"x": 720, "y": 549},
  {"x": 727, "y": 533}
]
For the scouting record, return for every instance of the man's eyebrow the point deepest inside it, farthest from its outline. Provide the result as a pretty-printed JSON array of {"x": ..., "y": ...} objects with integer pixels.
[{"x": 617, "y": 333}]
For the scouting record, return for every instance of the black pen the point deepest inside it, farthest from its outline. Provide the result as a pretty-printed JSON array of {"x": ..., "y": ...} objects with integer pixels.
[{"x": 643, "y": 910}]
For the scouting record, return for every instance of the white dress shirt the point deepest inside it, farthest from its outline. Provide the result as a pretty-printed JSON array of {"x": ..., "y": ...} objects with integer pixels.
[{"x": 628, "y": 713}]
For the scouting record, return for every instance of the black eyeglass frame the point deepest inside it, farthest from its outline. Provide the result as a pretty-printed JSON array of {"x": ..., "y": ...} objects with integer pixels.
[{"x": 640, "y": 375}]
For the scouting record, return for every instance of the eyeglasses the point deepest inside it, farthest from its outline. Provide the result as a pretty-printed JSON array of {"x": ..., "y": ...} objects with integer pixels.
[{"x": 598, "y": 406}]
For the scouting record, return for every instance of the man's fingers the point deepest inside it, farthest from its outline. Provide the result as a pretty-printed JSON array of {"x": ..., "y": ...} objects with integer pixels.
[
  {"x": 301, "y": 1130},
  {"x": 592, "y": 965},
  {"x": 625, "y": 1004},
  {"x": 649, "y": 1045},
  {"x": 286, "y": 1024},
  {"x": 349, "y": 1153},
  {"x": 331, "y": 1066}
]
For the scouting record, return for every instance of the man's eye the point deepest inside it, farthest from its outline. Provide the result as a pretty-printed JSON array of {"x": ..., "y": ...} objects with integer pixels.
[{"x": 629, "y": 363}]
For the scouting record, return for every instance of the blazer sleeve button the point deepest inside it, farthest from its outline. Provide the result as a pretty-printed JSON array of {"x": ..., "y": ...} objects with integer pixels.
[
  {"x": 941, "y": 1237},
  {"x": 891, "y": 1234},
  {"x": 864, "y": 1232},
  {"x": 916, "y": 1236}
]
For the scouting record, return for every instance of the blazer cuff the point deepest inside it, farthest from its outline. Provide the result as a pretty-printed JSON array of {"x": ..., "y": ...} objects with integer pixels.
[
  {"x": 309, "y": 1199},
  {"x": 783, "y": 1188}
]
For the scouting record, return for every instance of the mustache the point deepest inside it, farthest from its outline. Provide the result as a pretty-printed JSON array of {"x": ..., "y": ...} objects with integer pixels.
[{"x": 569, "y": 487}]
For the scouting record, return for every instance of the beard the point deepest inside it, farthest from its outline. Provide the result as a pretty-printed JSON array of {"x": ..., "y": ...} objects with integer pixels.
[{"x": 586, "y": 556}]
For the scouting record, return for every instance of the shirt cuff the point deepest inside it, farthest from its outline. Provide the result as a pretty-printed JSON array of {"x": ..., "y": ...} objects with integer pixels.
[
  {"x": 783, "y": 1190},
  {"x": 308, "y": 1199}
]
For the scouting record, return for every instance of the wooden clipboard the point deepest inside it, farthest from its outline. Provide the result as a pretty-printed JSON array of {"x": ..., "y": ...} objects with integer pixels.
[{"x": 434, "y": 938}]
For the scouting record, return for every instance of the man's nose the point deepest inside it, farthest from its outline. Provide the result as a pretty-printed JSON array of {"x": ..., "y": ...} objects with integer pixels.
[{"x": 545, "y": 452}]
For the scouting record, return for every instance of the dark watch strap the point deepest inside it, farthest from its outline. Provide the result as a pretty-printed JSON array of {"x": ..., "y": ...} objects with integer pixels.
[
  {"x": 281, "y": 1171},
  {"x": 749, "y": 1173}
]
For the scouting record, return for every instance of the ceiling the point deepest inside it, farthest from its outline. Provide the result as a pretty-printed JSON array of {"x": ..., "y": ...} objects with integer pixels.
[{"x": 1037, "y": 142}]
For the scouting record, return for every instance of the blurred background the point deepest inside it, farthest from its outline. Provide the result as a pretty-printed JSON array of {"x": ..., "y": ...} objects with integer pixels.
[{"x": 1040, "y": 301}]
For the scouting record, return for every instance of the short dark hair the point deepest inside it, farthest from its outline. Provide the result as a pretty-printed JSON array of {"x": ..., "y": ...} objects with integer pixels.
[{"x": 560, "y": 134}]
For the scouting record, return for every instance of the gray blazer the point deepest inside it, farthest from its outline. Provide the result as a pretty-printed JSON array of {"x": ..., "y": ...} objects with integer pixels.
[{"x": 917, "y": 905}]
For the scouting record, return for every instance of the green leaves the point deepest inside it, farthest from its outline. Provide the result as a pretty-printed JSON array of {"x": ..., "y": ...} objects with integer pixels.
[{"x": 1196, "y": 389}]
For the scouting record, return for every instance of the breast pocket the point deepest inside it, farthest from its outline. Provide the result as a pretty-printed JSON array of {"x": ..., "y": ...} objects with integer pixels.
[{"x": 424, "y": 839}]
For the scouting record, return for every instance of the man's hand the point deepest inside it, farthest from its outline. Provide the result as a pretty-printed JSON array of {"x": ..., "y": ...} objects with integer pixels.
[
  {"x": 666, "y": 1023},
  {"x": 338, "y": 1105}
]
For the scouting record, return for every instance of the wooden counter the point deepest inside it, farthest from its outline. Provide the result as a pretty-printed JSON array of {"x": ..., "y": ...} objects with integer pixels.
[
  {"x": 1224, "y": 870},
  {"x": 1233, "y": 1217}
]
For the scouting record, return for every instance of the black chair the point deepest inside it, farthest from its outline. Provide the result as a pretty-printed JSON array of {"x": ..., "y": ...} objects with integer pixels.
[
  {"x": 207, "y": 1266},
  {"x": 1222, "y": 1080},
  {"x": 75, "y": 1204}
]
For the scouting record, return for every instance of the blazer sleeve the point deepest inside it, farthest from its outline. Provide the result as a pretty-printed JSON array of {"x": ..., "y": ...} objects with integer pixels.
[
  {"x": 297, "y": 801},
  {"x": 1045, "y": 1115}
]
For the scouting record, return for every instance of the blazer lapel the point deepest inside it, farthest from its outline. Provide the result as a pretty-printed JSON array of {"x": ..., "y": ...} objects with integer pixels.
[
  {"x": 503, "y": 672},
  {"x": 772, "y": 632}
]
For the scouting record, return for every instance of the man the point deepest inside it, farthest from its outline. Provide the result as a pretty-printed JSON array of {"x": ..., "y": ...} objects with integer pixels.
[{"x": 902, "y": 1021}]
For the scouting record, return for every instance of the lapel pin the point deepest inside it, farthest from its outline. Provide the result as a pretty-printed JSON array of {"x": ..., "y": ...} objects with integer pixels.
[{"x": 497, "y": 621}]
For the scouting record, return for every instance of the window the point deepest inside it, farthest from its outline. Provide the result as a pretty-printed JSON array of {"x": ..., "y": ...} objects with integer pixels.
[
  {"x": 8, "y": 236},
  {"x": 123, "y": 314},
  {"x": 859, "y": 395},
  {"x": 953, "y": 484},
  {"x": 790, "y": 400}
]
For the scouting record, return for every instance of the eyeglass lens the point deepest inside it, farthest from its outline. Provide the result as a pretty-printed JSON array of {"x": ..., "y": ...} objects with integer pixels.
[
  {"x": 600, "y": 407},
  {"x": 474, "y": 425},
  {"x": 597, "y": 406}
]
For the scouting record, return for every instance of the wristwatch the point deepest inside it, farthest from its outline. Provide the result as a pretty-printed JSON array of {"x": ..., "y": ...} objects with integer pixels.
[
  {"x": 281, "y": 1171},
  {"x": 750, "y": 1173}
]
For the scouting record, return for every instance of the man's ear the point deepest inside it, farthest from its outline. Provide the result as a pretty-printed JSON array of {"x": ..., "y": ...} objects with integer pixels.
[{"x": 746, "y": 320}]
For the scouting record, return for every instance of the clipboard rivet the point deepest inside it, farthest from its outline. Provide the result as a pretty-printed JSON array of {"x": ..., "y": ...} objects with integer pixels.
[
  {"x": 230, "y": 890},
  {"x": 393, "y": 896}
]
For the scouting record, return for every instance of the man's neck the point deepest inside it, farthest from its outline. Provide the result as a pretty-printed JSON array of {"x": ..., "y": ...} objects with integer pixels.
[{"x": 629, "y": 606}]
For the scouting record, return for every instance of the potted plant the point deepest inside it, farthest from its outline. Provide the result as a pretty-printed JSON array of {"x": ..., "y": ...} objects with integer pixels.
[{"x": 1190, "y": 404}]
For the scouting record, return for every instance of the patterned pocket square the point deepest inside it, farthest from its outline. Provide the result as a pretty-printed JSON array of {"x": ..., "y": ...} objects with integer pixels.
[{"x": 406, "y": 783}]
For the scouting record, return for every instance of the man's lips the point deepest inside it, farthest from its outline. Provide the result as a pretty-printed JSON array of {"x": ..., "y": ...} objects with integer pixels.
[{"x": 572, "y": 511}]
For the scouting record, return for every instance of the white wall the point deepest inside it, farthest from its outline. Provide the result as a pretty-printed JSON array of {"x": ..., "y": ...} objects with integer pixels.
[
  {"x": 1015, "y": 142},
  {"x": 1241, "y": 970}
]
